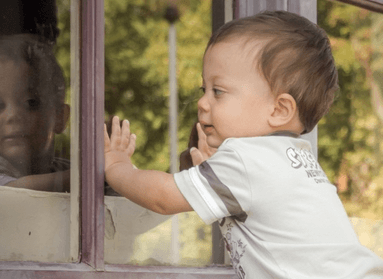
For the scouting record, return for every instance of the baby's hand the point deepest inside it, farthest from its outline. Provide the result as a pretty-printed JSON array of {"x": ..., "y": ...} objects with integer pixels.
[
  {"x": 121, "y": 145},
  {"x": 204, "y": 151}
]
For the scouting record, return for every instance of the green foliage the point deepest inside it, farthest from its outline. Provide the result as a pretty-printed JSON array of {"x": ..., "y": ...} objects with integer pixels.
[
  {"x": 136, "y": 63},
  {"x": 350, "y": 135},
  {"x": 154, "y": 246},
  {"x": 62, "y": 52},
  {"x": 136, "y": 71},
  {"x": 196, "y": 243}
]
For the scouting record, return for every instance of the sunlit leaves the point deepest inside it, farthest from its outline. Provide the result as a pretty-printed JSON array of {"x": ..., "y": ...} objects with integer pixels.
[{"x": 350, "y": 135}]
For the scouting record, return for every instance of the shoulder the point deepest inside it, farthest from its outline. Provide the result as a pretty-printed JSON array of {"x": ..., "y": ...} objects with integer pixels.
[
  {"x": 60, "y": 164},
  {"x": 264, "y": 144},
  {"x": 4, "y": 179},
  {"x": 8, "y": 170}
]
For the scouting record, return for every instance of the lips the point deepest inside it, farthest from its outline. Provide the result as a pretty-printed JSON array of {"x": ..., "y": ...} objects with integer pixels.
[
  {"x": 207, "y": 128},
  {"x": 15, "y": 137}
]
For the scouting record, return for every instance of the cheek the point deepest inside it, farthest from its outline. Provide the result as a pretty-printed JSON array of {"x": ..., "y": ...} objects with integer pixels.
[
  {"x": 44, "y": 118},
  {"x": 42, "y": 127},
  {"x": 43, "y": 140}
]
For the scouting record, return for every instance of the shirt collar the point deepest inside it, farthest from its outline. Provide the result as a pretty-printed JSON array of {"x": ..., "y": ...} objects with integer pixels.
[{"x": 284, "y": 134}]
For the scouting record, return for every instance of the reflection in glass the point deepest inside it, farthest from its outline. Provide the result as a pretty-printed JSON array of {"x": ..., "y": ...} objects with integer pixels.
[
  {"x": 35, "y": 223},
  {"x": 137, "y": 88},
  {"x": 32, "y": 111}
]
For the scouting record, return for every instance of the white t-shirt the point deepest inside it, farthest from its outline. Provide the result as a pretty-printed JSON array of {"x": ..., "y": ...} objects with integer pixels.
[{"x": 279, "y": 214}]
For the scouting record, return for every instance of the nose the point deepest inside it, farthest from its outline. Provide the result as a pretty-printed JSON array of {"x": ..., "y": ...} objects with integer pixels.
[
  {"x": 203, "y": 104},
  {"x": 13, "y": 113}
]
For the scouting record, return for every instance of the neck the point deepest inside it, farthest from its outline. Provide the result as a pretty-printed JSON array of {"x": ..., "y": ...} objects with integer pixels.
[{"x": 33, "y": 166}]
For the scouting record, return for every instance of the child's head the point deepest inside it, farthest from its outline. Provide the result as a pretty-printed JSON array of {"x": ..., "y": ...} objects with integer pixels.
[
  {"x": 32, "y": 109},
  {"x": 288, "y": 52}
]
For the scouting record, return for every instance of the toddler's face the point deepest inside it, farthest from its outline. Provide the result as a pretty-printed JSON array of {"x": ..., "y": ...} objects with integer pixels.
[
  {"x": 237, "y": 99},
  {"x": 26, "y": 121}
]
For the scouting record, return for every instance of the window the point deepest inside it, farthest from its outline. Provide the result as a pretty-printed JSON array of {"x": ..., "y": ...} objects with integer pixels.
[
  {"x": 37, "y": 225},
  {"x": 138, "y": 34},
  {"x": 90, "y": 233}
]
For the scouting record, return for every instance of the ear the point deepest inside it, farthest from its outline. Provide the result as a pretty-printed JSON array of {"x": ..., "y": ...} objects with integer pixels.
[
  {"x": 62, "y": 117},
  {"x": 284, "y": 110}
]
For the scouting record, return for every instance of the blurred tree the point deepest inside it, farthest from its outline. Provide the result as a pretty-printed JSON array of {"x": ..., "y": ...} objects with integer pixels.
[
  {"x": 349, "y": 136},
  {"x": 136, "y": 69},
  {"x": 136, "y": 65}
]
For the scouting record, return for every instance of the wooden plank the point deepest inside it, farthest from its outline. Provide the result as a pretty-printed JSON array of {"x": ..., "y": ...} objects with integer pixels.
[
  {"x": 74, "y": 271},
  {"x": 92, "y": 119},
  {"x": 373, "y": 5},
  {"x": 75, "y": 84}
]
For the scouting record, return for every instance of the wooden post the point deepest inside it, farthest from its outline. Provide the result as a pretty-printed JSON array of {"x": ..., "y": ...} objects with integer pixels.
[{"x": 92, "y": 141}]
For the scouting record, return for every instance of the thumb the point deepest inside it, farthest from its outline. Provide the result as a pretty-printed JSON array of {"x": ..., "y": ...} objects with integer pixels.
[{"x": 196, "y": 156}]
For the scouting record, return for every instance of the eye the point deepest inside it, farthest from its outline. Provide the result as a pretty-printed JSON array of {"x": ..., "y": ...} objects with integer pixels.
[
  {"x": 33, "y": 103},
  {"x": 2, "y": 106},
  {"x": 217, "y": 92}
]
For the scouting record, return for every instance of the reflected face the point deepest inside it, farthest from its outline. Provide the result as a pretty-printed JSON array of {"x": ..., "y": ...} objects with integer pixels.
[
  {"x": 237, "y": 99},
  {"x": 26, "y": 121}
]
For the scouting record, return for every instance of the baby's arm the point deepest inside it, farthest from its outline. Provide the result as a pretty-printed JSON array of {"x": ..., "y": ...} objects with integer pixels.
[
  {"x": 153, "y": 190},
  {"x": 49, "y": 182}
]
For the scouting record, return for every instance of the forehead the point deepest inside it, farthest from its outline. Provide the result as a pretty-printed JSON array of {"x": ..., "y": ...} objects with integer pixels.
[
  {"x": 14, "y": 76},
  {"x": 232, "y": 53},
  {"x": 18, "y": 80}
]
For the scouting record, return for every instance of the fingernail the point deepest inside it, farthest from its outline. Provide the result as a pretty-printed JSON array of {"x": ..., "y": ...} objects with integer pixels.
[
  {"x": 127, "y": 121},
  {"x": 192, "y": 149}
]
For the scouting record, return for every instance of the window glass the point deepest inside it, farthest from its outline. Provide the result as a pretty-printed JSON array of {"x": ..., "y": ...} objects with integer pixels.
[
  {"x": 137, "y": 88},
  {"x": 34, "y": 132},
  {"x": 350, "y": 136}
]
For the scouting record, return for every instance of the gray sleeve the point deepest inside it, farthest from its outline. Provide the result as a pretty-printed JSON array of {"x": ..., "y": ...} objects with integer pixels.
[
  {"x": 217, "y": 188},
  {"x": 4, "y": 179}
]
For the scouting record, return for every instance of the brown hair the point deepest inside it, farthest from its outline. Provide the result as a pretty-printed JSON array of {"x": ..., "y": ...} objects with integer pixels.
[{"x": 295, "y": 57}]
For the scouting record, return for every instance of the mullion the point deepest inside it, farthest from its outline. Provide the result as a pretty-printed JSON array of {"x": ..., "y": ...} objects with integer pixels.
[{"x": 92, "y": 112}]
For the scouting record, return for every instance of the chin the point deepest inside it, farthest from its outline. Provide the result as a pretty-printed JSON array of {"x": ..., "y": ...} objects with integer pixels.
[
  {"x": 21, "y": 163},
  {"x": 214, "y": 144},
  {"x": 18, "y": 157}
]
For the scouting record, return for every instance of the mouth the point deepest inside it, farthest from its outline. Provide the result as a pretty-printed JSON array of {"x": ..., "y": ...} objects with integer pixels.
[
  {"x": 207, "y": 128},
  {"x": 14, "y": 137}
]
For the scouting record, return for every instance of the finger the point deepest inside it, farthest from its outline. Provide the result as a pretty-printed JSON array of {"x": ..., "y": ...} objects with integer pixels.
[
  {"x": 132, "y": 145},
  {"x": 206, "y": 150},
  {"x": 106, "y": 139},
  {"x": 125, "y": 134},
  {"x": 201, "y": 134},
  {"x": 116, "y": 129},
  {"x": 202, "y": 141},
  {"x": 115, "y": 137},
  {"x": 196, "y": 155}
]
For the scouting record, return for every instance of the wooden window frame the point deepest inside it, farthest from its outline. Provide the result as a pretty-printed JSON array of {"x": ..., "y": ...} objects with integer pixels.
[
  {"x": 88, "y": 54},
  {"x": 371, "y": 5}
]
